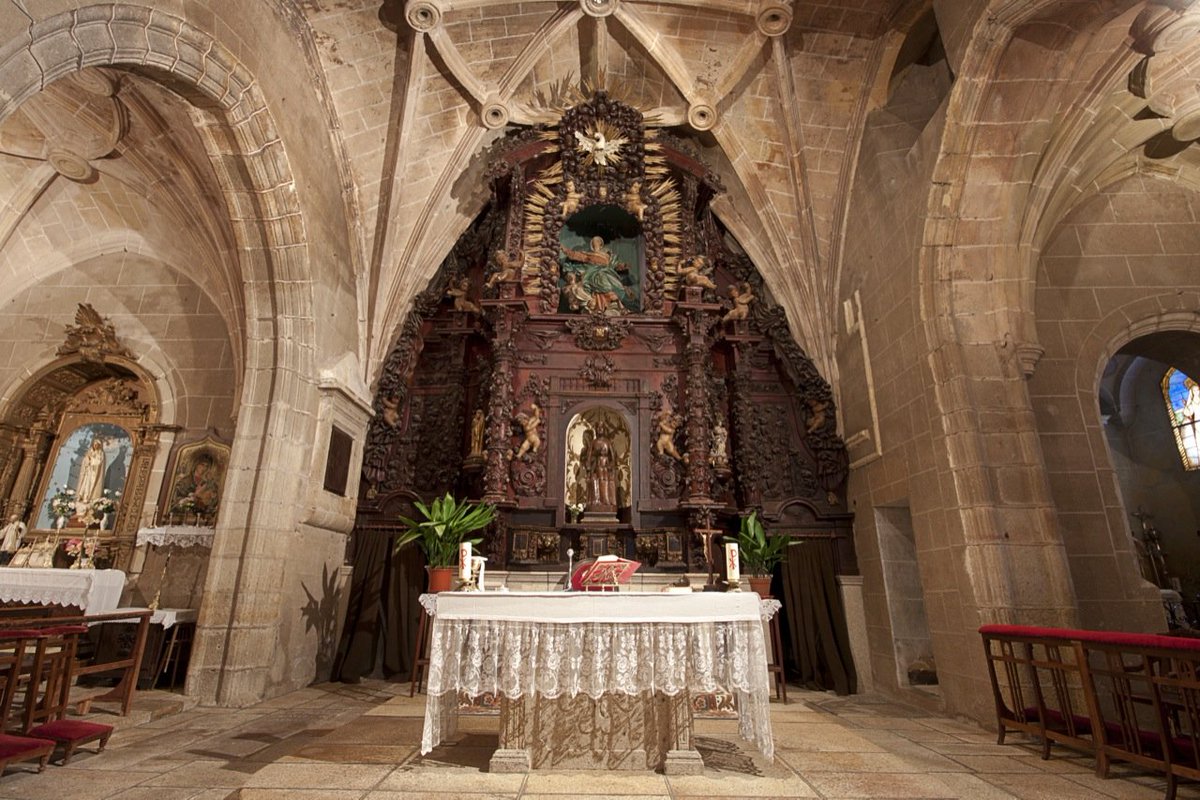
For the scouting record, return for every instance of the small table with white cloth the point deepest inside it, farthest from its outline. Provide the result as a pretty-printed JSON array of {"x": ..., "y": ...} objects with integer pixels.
[
  {"x": 597, "y": 679},
  {"x": 93, "y": 591}
]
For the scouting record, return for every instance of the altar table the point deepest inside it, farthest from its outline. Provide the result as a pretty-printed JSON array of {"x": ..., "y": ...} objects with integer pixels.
[
  {"x": 635, "y": 657},
  {"x": 95, "y": 591}
]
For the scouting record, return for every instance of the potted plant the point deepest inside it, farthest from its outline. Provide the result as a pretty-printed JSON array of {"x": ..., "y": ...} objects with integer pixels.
[
  {"x": 446, "y": 523},
  {"x": 759, "y": 553}
]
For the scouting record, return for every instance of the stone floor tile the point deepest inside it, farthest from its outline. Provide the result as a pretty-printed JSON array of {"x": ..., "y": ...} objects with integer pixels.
[
  {"x": 318, "y": 776},
  {"x": 440, "y": 796},
  {"x": 880, "y": 784},
  {"x": 806, "y": 762},
  {"x": 708, "y": 785},
  {"x": 1043, "y": 787},
  {"x": 984, "y": 764},
  {"x": 201, "y": 774},
  {"x": 972, "y": 787},
  {"x": 596, "y": 782},
  {"x": 352, "y": 753},
  {"x": 298, "y": 794},
  {"x": 161, "y": 793},
  {"x": 57, "y": 783},
  {"x": 826, "y": 736},
  {"x": 465, "y": 781}
]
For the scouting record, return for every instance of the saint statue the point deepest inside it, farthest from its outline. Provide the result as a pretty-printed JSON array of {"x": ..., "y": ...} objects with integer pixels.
[
  {"x": 10, "y": 538},
  {"x": 602, "y": 277},
  {"x": 600, "y": 460},
  {"x": 90, "y": 485},
  {"x": 720, "y": 444},
  {"x": 477, "y": 433}
]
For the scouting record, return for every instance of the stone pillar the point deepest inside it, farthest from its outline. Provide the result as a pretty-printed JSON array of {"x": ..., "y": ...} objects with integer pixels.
[{"x": 34, "y": 451}]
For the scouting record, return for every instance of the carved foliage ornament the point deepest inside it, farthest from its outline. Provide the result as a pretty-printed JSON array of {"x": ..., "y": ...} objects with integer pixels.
[
  {"x": 598, "y": 333},
  {"x": 92, "y": 337}
]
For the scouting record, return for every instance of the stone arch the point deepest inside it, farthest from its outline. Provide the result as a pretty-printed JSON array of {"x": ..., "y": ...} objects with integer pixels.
[{"x": 260, "y": 190}]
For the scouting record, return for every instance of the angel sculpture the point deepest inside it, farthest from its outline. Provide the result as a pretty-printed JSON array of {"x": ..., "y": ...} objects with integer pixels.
[
  {"x": 601, "y": 149},
  {"x": 742, "y": 296},
  {"x": 509, "y": 268},
  {"x": 570, "y": 203},
  {"x": 692, "y": 273},
  {"x": 458, "y": 291},
  {"x": 529, "y": 424},
  {"x": 633, "y": 200}
]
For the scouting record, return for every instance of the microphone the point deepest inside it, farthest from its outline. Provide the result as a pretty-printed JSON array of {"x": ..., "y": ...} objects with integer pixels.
[{"x": 570, "y": 557}]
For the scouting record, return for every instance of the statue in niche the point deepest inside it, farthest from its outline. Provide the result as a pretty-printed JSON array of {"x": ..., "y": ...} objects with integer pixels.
[
  {"x": 742, "y": 296},
  {"x": 600, "y": 262},
  {"x": 90, "y": 486},
  {"x": 477, "y": 433},
  {"x": 598, "y": 472},
  {"x": 720, "y": 443}
]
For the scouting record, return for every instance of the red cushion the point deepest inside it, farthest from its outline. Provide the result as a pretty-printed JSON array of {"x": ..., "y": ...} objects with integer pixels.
[
  {"x": 70, "y": 730},
  {"x": 13, "y": 746},
  {"x": 19, "y": 633},
  {"x": 1143, "y": 640},
  {"x": 1032, "y": 631}
]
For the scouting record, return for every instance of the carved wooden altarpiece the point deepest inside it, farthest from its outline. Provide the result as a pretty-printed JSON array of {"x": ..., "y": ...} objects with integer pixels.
[{"x": 593, "y": 341}]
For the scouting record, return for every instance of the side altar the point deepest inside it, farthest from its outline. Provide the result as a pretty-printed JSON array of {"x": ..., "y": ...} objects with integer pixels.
[{"x": 597, "y": 680}]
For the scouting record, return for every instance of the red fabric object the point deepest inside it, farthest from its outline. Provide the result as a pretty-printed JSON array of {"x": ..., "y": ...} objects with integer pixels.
[
  {"x": 13, "y": 746},
  {"x": 19, "y": 633},
  {"x": 1141, "y": 640},
  {"x": 70, "y": 730},
  {"x": 1033, "y": 631}
]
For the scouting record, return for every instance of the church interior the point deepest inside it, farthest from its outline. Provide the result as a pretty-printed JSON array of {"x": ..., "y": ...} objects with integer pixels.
[{"x": 910, "y": 281}]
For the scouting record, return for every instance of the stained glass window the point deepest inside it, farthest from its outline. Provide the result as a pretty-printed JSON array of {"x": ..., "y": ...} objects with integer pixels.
[{"x": 1183, "y": 404}]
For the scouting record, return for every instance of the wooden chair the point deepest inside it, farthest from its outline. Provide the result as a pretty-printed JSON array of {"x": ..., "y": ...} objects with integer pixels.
[
  {"x": 1144, "y": 690},
  {"x": 12, "y": 747},
  {"x": 45, "y": 709},
  {"x": 1042, "y": 693}
]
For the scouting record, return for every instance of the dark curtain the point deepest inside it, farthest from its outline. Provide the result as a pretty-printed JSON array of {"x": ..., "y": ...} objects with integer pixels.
[
  {"x": 382, "y": 616},
  {"x": 817, "y": 644}
]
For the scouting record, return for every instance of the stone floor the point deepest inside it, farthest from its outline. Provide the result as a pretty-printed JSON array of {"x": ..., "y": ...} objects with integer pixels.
[{"x": 340, "y": 742}]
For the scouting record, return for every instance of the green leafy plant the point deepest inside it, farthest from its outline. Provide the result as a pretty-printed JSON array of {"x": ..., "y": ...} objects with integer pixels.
[
  {"x": 759, "y": 553},
  {"x": 446, "y": 523}
]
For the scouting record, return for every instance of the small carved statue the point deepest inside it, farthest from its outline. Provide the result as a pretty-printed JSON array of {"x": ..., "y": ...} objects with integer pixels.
[
  {"x": 570, "y": 203},
  {"x": 391, "y": 410},
  {"x": 667, "y": 422},
  {"x": 743, "y": 297},
  {"x": 576, "y": 298},
  {"x": 816, "y": 410},
  {"x": 509, "y": 268},
  {"x": 600, "y": 461},
  {"x": 10, "y": 538},
  {"x": 692, "y": 273},
  {"x": 529, "y": 423},
  {"x": 720, "y": 443},
  {"x": 634, "y": 202},
  {"x": 458, "y": 290},
  {"x": 477, "y": 433}
]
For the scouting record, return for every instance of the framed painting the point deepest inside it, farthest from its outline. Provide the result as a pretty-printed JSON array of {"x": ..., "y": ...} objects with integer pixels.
[
  {"x": 197, "y": 477},
  {"x": 91, "y": 463}
]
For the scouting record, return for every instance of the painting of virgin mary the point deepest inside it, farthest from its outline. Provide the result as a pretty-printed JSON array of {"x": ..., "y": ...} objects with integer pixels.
[{"x": 92, "y": 460}]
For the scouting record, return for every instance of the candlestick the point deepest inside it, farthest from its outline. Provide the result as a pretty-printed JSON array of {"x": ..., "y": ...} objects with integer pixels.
[{"x": 733, "y": 572}]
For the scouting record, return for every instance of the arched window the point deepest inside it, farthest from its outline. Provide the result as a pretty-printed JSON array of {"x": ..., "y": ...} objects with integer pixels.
[{"x": 1183, "y": 405}]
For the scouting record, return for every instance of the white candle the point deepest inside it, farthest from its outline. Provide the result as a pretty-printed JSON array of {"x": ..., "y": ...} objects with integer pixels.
[
  {"x": 464, "y": 561},
  {"x": 732, "y": 571}
]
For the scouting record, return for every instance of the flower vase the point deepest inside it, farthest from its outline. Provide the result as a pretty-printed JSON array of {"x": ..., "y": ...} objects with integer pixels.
[
  {"x": 60, "y": 523},
  {"x": 104, "y": 522}
]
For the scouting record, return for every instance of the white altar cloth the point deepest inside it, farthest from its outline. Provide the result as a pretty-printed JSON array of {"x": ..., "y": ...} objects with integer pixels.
[
  {"x": 178, "y": 535},
  {"x": 96, "y": 591},
  {"x": 553, "y": 644}
]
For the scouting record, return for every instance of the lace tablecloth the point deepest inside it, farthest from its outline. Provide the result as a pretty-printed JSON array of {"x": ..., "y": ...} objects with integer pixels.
[
  {"x": 551, "y": 644},
  {"x": 178, "y": 535},
  {"x": 96, "y": 591}
]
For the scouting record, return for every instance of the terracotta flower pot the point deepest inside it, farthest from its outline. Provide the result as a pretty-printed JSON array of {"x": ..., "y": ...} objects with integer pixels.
[
  {"x": 441, "y": 579},
  {"x": 761, "y": 584}
]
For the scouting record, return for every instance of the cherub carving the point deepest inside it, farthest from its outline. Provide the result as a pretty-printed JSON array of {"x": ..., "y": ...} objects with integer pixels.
[
  {"x": 570, "y": 203},
  {"x": 817, "y": 409},
  {"x": 692, "y": 270},
  {"x": 529, "y": 423},
  {"x": 510, "y": 268},
  {"x": 633, "y": 200},
  {"x": 391, "y": 410},
  {"x": 458, "y": 290},
  {"x": 667, "y": 422},
  {"x": 742, "y": 296}
]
